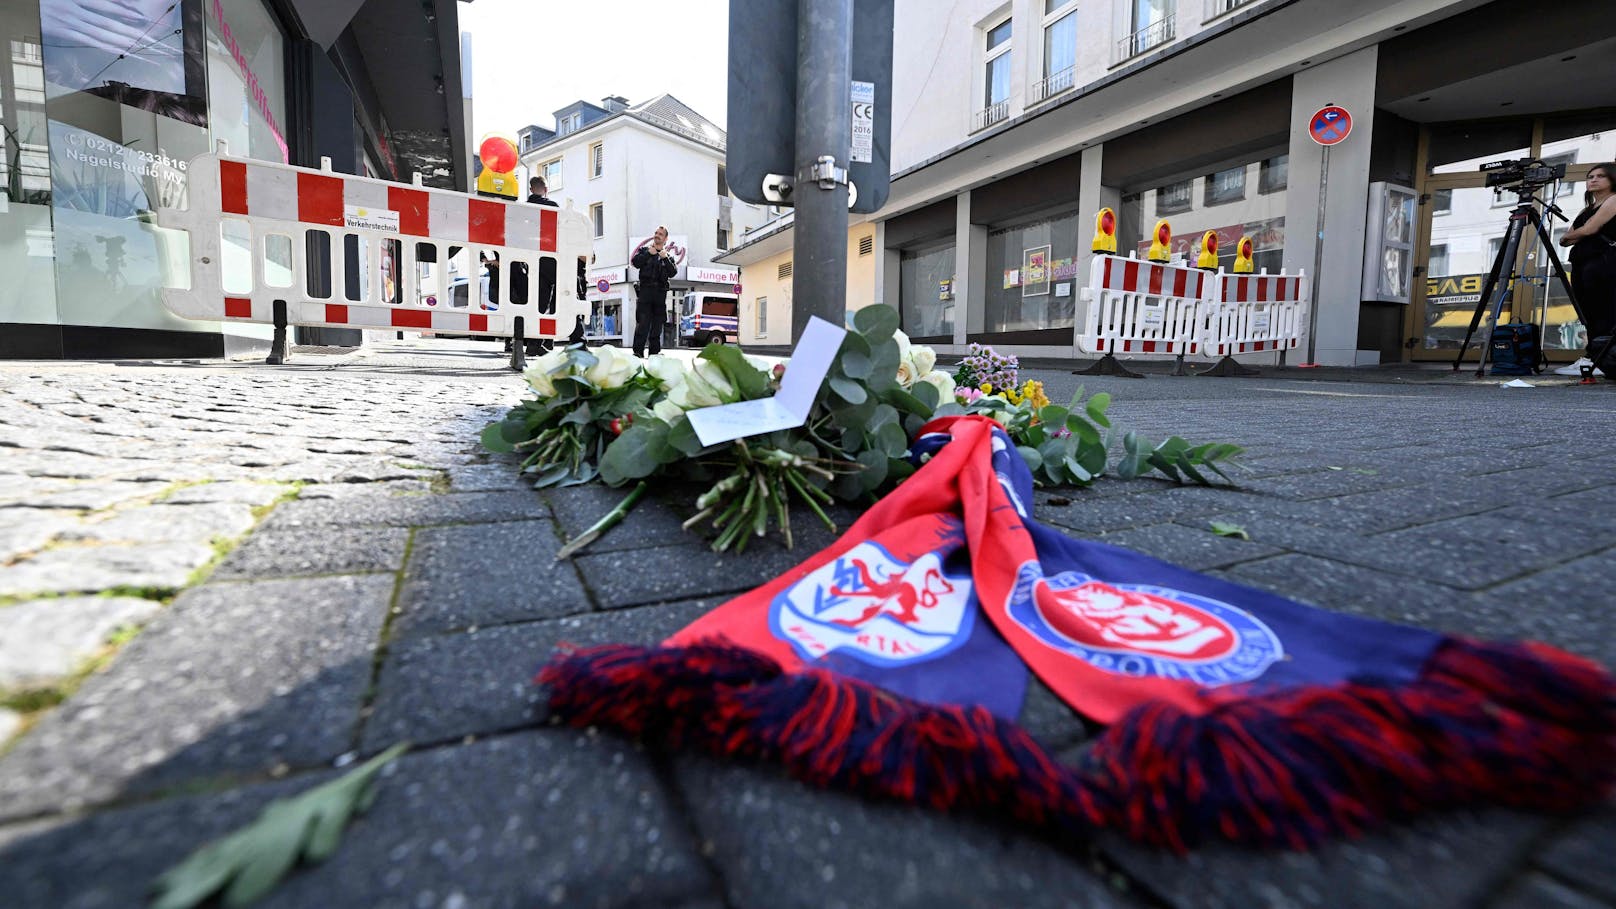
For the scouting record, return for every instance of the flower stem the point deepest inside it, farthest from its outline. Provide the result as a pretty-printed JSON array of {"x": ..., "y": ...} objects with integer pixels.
[{"x": 609, "y": 520}]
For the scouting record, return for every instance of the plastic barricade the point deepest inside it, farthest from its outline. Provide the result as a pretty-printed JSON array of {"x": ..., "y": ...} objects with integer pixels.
[
  {"x": 293, "y": 246},
  {"x": 1252, "y": 314},
  {"x": 1142, "y": 308}
]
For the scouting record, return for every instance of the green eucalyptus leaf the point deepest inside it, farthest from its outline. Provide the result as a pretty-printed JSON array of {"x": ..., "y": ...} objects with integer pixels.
[
  {"x": 494, "y": 438},
  {"x": 748, "y": 380},
  {"x": 949, "y": 409},
  {"x": 927, "y": 394},
  {"x": 637, "y": 453},
  {"x": 582, "y": 415},
  {"x": 848, "y": 390},
  {"x": 892, "y": 439},
  {"x": 682, "y": 439},
  {"x": 1053, "y": 415},
  {"x": 884, "y": 365},
  {"x": 514, "y": 431},
  {"x": 1096, "y": 408},
  {"x": 549, "y": 476},
  {"x": 874, "y": 472},
  {"x": 1032, "y": 457},
  {"x": 1083, "y": 429},
  {"x": 1077, "y": 472},
  {"x": 855, "y": 363},
  {"x": 905, "y": 401},
  {"x": 876, "y": 323}
]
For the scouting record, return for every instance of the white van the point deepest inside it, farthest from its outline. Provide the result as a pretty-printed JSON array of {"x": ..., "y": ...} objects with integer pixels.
[{"x": 709, "y": 318}]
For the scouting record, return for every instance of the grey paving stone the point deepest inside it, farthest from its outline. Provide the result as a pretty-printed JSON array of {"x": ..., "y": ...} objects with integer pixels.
[
  {"x": 95, "y": 496},
  {"x": 232, "y": 678},
  {"x": 415, "y": 511},
  {"x": 1536, "y": 891},
  {"x": 363, "y": 490},
  {"x": 338, "y": 550},
  {"x": 44, "y": 640},
  {"x": 548, "y": 818},
  {"x": 1436, "y": 862},
  {"x": 1492, "y": 547},
  {"x": 501, "y": 474},
  {"x": 1567, "y": 605},
  {"x": 86, "y": 569},
  {"x": 486, "y": 574},
  {"x": 156, "y": 523},
  {"x": 1189, "y": 547},
  {"x": 241, "y": 492},
  {"x": 762, "y": 829},
  {"x": 653, "y": 522},
  {"x": 24, "y": 530},
  {"x": 664, "y": 573},
  {"x": 1580, "y": 854},
  {"x": 1323, "y": 484},
  {"x": 441, "y": 687}
]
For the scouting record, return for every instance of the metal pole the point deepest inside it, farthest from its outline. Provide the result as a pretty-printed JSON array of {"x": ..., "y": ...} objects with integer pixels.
[
  {"x": 819, "y": 190},
  {"x": 1318, "y": 260}
]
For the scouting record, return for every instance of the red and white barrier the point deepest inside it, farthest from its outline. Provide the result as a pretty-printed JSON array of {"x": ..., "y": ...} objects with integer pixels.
[
  {"x": 1140, "y": 307},
  {"x": 1252, "y": 313},
  {"x": 344, "y": 251}
]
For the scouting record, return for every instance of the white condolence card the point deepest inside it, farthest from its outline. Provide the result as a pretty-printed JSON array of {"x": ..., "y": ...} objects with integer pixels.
[{"x": 810, "y": 363}]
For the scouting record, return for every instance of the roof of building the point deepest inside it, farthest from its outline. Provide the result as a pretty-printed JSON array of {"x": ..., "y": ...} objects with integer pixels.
[{"x": 664, "y": 112}]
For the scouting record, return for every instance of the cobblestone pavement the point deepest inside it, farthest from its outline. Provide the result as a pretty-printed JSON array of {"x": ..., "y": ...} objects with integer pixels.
[{"x": 323, "y": 564}]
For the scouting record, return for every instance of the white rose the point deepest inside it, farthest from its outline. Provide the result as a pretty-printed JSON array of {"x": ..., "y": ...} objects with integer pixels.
[
  {"x": 924, "y": 359},
  {"x": 760, "y": 364},
  {"x": 613, "y": 368},
  {"x": 698, "y": 391},
  {"x": 666, "y": 410},
  {"x": 714, "y": 376},
  {"x": 540, "y": 370},
  {"x": 943, "y": 382},
  {"x": 903, "y": 344},
  {"x": 669, "y": 371},
  {"x": 906, "y": 373}
]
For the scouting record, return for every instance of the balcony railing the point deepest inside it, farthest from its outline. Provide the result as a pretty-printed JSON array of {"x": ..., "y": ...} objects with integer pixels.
[
  {"x": 1044, "y": 89},
  {"x": 990, "y": 115},
  {"x": 1216, "y": 8},
  {"x": 1153, "y": 35}
]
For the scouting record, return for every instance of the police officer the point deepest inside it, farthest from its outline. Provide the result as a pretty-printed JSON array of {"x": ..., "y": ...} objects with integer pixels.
[
  {"x": 536, "y": 190},
  {"x": 656, "y": 266}
]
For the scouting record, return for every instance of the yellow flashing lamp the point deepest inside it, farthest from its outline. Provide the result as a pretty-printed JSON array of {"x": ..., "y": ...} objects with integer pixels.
[
  {"x": 1105, "y": 232},
  {"x": 1242, "y": 257},
  {"x": 1209, "y": 251},
  {"x": 1161, "y": 246},
  {"x": 499, "y": 157}
]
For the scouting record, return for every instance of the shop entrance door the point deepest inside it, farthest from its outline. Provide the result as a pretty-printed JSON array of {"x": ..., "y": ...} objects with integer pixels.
[{"x": 1463, "y": 226}]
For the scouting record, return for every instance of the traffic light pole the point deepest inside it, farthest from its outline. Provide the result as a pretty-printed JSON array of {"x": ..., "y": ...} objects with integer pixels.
[{"x": 823, "y": 143}]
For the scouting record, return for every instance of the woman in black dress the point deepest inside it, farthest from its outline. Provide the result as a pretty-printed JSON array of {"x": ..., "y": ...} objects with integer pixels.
[{"x": 1592, "y": 239}]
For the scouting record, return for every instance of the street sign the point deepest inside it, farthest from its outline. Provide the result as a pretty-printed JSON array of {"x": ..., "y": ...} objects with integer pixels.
[
  {"x": 762, "y": 115},
  {"x": 737, "y": 290},
  {"x": 603, "y": 285},
  {"x": 1330, "y": 125}
]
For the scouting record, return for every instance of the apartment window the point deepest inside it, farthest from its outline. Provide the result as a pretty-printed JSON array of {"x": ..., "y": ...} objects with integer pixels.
[
  {"x": 1274, "y": 174},
  {"x": 597, "y": 217},
  {"x": 723, "y": 236},
  {"x": 1226, "y": 186},
  {"x": 723, "y": 182},
  {"x": 1442, "y": 202},
  {"x": 527, "y": 141},
  {"x": 997, "y": 81},
  {"x": 1437, "y": 264},
  {"x": 785, "y": 272},
  {"x": 1060, "y": 44},
  {"x": 762, "y": 305},
  {"x": 1175, "y": 197},
  {"x": 551, "y": 172},
  {"x": 866, "y": 246},
  {"x": 1148, "y": 14},
  {"x": 597, "y": 160},
  {"x": 568, "y": 123}
]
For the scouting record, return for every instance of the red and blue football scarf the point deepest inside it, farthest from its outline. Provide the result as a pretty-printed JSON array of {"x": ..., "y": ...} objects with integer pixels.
[{"x": 893, "y": 663}]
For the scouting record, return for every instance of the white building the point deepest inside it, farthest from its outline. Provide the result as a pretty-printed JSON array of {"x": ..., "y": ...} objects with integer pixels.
[
  {"x": 1014, "y": 122},
  {"x": 630, "y": 169}
]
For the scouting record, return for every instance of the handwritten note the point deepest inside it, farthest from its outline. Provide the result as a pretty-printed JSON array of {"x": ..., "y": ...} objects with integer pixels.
[{"x": 810, "y": 363}]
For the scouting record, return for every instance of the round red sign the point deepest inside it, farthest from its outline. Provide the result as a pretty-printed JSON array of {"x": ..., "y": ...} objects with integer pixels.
[{"x": 1330, "y": 125}]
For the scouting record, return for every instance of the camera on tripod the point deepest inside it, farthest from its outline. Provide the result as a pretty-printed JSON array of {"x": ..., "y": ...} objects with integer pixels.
[{"x": 1527, "y": 173}]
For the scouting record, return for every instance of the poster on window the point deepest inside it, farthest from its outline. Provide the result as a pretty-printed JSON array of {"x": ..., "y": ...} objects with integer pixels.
[
  {"x": 1035, "y": 272},
  {"x": 147, "y": 54}
]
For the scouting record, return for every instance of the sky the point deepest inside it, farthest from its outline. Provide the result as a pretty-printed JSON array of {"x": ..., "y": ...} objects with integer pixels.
[{"x": 532, "y": 57}]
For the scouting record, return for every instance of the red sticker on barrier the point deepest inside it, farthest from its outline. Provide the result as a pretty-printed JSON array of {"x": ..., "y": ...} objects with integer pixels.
[
  {"x": 477, "y": 323},
  {"x": 319, "y": 199},
  {"x": 412, "y": 318},
  {"x": 413, "y": 207},
  {"x": 237, "y": 308},
  {"x": 547, "y": 326},
  {"x": 233, "y": 187},
  {"x": 485, "y": 222},
  {"x": 336, "y": 314},
  {"x": 547, "y": 231}
]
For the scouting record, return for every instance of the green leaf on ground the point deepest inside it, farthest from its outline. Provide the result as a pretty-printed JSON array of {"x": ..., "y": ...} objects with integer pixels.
[
  {"x": 247, "y": 864},
  {"x": 494, "y": 438},
  {"x": 1230, "y": 530},
  {"x": 637, "y": 453}
]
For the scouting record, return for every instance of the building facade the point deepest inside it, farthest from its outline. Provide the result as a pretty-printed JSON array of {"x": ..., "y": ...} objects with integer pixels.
[
  {"x": 631, "y": 168},
  {"x": 100, "y": 125},
  {"x": 1019, "y": 120}
]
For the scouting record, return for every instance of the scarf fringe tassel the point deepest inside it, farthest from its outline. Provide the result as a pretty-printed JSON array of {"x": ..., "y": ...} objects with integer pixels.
[{"x": 1520, "y": 725}]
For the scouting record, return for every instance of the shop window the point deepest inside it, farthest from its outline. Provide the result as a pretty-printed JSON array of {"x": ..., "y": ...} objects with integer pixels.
[
  {"x": 1175, "y": 197},
  {"x": 762, "y": 306},
  {"x": 278, "y": 268},
  {"x": 1274, "y": 174},
  {"x": 926, "y": 292},
  {"x": 1226, "y": 186},
  {"x": 1031, "y": 275}
]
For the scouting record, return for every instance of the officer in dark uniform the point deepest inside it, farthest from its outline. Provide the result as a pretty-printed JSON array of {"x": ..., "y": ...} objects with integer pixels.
[{"x": 657, "y": 268}]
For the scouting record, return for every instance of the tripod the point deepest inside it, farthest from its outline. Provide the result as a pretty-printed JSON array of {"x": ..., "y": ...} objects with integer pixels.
[{"x": 1503, "y": 276}]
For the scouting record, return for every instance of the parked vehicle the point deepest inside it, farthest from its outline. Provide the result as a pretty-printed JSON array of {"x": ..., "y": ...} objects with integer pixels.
[{"x": 709, "y": 318}]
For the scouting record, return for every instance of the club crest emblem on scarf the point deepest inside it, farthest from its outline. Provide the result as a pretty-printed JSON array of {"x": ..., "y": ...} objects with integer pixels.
[
  {"x": 876, "y": 608},
  {"x": 1141, "y": 630}
]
